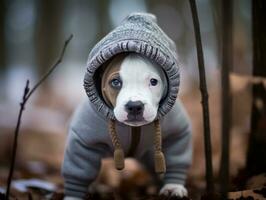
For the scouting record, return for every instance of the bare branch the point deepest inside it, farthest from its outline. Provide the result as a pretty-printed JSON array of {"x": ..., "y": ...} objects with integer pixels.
[
  {"x": 26, "y": 95},
  {"x": 59, "y": 60},
  {"x": 205, "y": 104}
]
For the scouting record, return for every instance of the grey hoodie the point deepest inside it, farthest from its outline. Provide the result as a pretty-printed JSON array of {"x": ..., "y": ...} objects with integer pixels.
[
  {"x": 88, "y": 139},
  {"x": 89, "y": 142}
]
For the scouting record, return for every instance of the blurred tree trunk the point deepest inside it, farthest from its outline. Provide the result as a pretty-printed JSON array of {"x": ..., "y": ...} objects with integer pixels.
[
  {"x": 259, "y": 39},
  {"x": 103, "y": 17},
  {"x": 227, "y": 65},
  {"x": 217, "y": 16},
  {"x": 2, "y": 36},
  {"x": 48, "y": 32},
  {"x": 256, "y": 162}
]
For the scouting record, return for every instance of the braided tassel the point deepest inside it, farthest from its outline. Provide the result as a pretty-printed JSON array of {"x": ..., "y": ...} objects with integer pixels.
[
  {"x": 118, "y": 151},
  {"x": 158, "y": 156}
]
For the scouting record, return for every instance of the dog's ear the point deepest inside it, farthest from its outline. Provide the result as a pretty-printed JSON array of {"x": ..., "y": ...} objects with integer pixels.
[
  {"x": 98, "y": 77},
  {"x": 112, "y": 69},
  {"x": 165, "y": 84}
]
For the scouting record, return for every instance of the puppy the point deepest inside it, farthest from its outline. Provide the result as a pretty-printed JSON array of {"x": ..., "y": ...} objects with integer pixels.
[{"x": 133, "y": 86}]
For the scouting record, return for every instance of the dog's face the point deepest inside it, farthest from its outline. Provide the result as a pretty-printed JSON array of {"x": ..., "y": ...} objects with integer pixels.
[{"x": 134, "y": 87}]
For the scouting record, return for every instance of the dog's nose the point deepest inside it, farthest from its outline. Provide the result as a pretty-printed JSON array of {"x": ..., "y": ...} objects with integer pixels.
[{"x": 134, "y": 107}]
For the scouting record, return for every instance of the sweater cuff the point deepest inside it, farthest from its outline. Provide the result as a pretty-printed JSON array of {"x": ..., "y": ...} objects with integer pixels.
[
  {"x": 75, "y": 189},
  {"x": 177, "y": 177}
]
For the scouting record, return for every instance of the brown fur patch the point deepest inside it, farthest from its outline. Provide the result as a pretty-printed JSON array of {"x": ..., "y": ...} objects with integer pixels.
[{"x": 111, "y": 71}]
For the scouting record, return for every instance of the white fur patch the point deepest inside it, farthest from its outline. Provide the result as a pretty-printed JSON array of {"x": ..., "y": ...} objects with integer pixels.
[
  {"x": 136, "y": 73},
  {"x": 171, "y": 189},
  {"x": 72, "y": 198}
]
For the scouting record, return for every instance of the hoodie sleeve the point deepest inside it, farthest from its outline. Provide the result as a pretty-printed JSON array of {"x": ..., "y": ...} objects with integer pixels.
[
  {"x": 84, "y": 150},
  {"x": 177, "y": 144}
]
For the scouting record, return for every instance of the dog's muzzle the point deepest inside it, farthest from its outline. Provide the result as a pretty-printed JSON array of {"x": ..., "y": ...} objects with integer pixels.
[{"x": 135, "y": 110}]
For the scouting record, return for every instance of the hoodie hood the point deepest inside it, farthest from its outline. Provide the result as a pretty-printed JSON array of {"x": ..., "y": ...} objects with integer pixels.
[{"x": 137, "y": 33}]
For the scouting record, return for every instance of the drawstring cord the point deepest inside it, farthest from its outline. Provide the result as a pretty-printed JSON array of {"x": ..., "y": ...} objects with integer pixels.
[
  {"x": 159, "y": 159},
  {"x": 119, "y": 157}
]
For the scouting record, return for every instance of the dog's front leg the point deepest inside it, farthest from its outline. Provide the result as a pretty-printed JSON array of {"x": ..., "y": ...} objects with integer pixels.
[
  {"x": 177, "y": 148},
  {"x": 80, "y": 167},
  {"x": 172, "y": 189},
  {"x": 72, "y": 198}
]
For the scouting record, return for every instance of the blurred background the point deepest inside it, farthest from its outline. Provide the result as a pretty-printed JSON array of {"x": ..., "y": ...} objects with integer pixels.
[{"x": 32, "y": 34}]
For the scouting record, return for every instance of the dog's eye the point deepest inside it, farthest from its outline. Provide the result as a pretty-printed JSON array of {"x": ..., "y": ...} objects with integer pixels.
[
  {"x": 116, "y": 83},
  {"x": 154, "y": 81}
]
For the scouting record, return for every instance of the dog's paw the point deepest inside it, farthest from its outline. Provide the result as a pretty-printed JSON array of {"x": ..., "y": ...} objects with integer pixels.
[
  {"x": 72, "y": 198},
  {"x": 174, "y": 190}
]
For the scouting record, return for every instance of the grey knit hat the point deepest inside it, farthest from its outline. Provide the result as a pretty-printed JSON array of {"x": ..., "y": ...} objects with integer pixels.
[{"x": 137, "y": 33}]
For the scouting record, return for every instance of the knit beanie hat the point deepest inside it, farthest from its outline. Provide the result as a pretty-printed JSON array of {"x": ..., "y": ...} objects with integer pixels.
[{"x": 137, "y": 33}]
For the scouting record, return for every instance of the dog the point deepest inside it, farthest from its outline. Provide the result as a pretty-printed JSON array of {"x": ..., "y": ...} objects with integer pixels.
[{"x": 134, "y": 86}]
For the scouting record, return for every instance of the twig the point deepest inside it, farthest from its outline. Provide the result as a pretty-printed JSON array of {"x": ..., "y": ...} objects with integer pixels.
[
  {"x": 204, "y": 101},
  {"x": 26, "y": 96},
  {"x": 51, "y": 69},
  {"x": 227, "y": 61}
]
